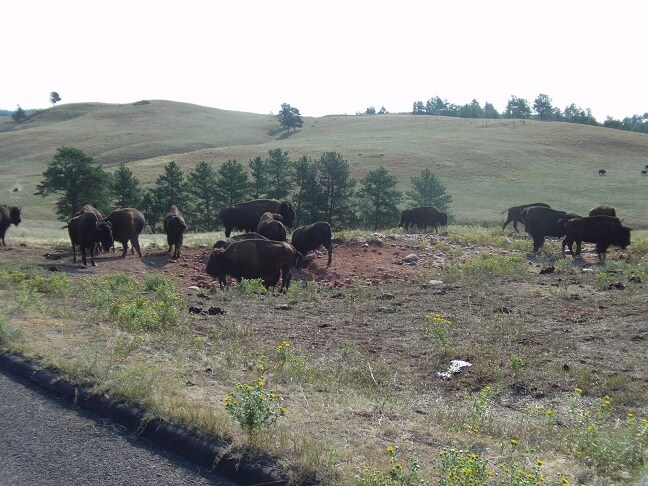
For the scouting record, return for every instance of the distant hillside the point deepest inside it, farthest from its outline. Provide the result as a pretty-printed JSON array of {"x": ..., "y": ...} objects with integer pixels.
[{"x": 486, "y": 165}]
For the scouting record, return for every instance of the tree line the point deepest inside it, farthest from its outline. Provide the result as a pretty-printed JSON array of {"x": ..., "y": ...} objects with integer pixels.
[
  {"x": 320, "y": 188},
  {"x": 520, "y": 108}
]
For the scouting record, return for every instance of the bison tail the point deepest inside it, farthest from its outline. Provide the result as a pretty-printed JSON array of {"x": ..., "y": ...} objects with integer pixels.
[
  {"x": 300, "y": 261},
  {"x": 63, "y": 227}
]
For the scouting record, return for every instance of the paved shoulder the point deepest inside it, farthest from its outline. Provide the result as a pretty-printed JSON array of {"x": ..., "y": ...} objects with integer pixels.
[{"x": 43, "y": 441}]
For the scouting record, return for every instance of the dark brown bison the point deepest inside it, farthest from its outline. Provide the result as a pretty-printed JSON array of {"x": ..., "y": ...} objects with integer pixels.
[
  {"x": 515, "y": 214},
  {"x": 246, "y": 215},
  {"x": 602, "y": 172},
  {"x": 127, "y": 224},
  {"x": 225, "y": 242},
  {"x": 89, "y": 208},
  {"x": 271, "y": 228},
  {"x": 604, "y": 231},
  {"x": 312, "y": 236},
  {"x": 8, "y": 215},
  {"x": 540, "y": 222},
  {"x": 88, "y": 232},
  {"x": 602, "y": 211},
  {"x": 174, "y": 227},
  {"x": 423, "y": 217},
  {"x": 264, "y": 259}
]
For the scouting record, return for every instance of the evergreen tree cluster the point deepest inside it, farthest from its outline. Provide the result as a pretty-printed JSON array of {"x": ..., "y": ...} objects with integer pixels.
[{"x": 321, "y": 189}]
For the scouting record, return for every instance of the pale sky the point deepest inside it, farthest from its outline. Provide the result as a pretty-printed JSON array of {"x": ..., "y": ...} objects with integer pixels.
[{"x": 326, "y": 57}]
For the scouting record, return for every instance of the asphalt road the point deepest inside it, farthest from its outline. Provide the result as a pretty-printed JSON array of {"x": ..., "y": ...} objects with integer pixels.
[{"x": 44, "y": 441}]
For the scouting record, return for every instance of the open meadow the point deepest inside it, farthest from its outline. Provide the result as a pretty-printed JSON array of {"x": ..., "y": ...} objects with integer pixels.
[{"x": 349, "y": 371}]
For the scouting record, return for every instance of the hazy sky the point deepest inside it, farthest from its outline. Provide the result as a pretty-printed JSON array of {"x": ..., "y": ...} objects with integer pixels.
[{"x": 326, "y": 57}]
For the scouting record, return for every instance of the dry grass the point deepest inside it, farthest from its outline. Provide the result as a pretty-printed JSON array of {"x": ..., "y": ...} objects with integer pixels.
[{"x": 363, "y": 372}]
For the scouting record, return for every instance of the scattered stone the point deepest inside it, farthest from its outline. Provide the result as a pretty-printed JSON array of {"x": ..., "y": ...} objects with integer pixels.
[
  {"x": 502, "y": 310},
  {"x": 435, "y": 283},
  {"x": 456, "y": 366},
  {"x": 215, "y": 311},
  {"x": 412, "y": 258},
  {"x": 282, "y": 307},
  {"x": 50, "y": 256},
  {"x": 587, "y": 270},
  {"x": 194, "y": 287}
]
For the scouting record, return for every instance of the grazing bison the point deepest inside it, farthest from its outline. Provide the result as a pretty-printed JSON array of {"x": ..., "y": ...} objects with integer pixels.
[
  {"x": 127, "y": 224},
  {"x": 602, "y": 172},
  {"x": 8, "y": 215},
  {"x": 644, "y": 172},
  {"x": 264, "y": 259},
  {"x": 515, "y": 214},
  {"x": 312, "y": 236},
  {"x": 540, "y": 222},
  {"x": 423, "y": 217},
  {"x": 225, "y": 242},
  {"x": 87, "y": 231},
  {"x": 246, "y": 215},
  {"x": 271, "y": 228},
  {"x": 174, "y": 227},
  {"x": 602, "y": 211},
  {"x": 604, "y": 231}
]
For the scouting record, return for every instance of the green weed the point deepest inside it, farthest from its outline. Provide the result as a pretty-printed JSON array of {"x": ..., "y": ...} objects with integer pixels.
[
  {"x": 8, "y": 332},
  {"x": 396, "y": 473},
  {"x": 254, "y": 407},
  {"x": 439, "y": 326},
  {"x": 288, "y": 360},
  {"x": 493, "y": 265},
  {"x": 456, "y": 467},
  {"x": 306, "y": 292},
  {"x": 251, "y": 287}
]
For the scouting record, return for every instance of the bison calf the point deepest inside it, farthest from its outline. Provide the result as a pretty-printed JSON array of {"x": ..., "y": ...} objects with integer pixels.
[
  {"x": 604, "y": 231},
  {"x": 271, "y": 227},
  {"x": 312, "y": 236},
  {"x": 174, "y": 227}
]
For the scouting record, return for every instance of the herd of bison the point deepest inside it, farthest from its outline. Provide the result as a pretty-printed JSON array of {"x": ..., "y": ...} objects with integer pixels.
[{"x": 263, "y": 252}]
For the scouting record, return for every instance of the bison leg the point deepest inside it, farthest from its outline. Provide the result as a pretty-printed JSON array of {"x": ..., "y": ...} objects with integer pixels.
[
  {"x": 515, "y": 226},
  {"x": 329, "y": 247},
  {"x": 538, "y": 241},
  {"x": 73, "y": 253},
  {"x": 83, "y": 257},
  {"x": 136, "y": 246},
  {"x": 228, "y": 231}
]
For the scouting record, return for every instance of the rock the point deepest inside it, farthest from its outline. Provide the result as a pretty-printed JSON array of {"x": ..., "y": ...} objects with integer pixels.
[
  {"x": 587, "y": 270},
  {"x": 193, "y": 287},
  {"x": 411, "y": 258},
  {"x": 617, "y": 285},
  {"x": 549, "y": 269},
  {"x": 215, "y": 311},
  {"x": 282, "y": 307},
  {"x": 435, "y": 282},
  {"x": 195, "y": 310}
]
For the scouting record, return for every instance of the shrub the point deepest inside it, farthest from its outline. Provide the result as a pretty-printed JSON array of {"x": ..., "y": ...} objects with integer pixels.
[{"x": 254, "y": 407}]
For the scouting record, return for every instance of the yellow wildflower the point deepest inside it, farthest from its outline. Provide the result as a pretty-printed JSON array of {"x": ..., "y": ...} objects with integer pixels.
[
  {"x": 390, "y": 449},
  {"x": 514, "y": 442},
  {"x": 579, "y": 391}
]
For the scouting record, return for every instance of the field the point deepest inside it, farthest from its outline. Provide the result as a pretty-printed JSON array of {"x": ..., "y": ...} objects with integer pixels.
[
  {"x": 510, "y": 162},
  {"x": 555, "y": 391},
  {"x": 354, "y": 350}
]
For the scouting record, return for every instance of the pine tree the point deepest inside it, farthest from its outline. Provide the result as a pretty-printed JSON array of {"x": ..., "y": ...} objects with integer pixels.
[
  {"x": 202, "y": 188},
  {"x": 308, "y": 197},
  {"x": 232, "y": 183},
  {"x": 171, "y": 188},
  {"x": 278, "y": 169},
  {"x": 77, "y": 178},
  {"x": 259, "y": 177},
  {"x": 337, "y": 188},
  {"x": 428, "y": 191},
  {"x": 124, "y": 188},
  {"x": 379, "y": 199}
]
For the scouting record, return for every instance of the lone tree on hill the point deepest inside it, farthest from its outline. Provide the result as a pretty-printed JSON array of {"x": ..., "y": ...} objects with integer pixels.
[
  {"x": 77, "y": 178},
  {"x": 428, "y": 191},
  {"x": 54, "y": 98},
  {"x": 19, "y": 115},
  {"x": 290, "y": 117}
]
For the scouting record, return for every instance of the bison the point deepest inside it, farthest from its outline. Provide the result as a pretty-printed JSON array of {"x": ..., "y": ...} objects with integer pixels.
[
  {"x": 515, "y": 214},
  {"x": 8, "y": 215},
  {"x": 271, "y": 228},
  {"x": 602, "y": 172},
  {"x": 312, "y": 236},
  {"x": 225, "y": 242},
  {"x": 540, "y": 222},
  {"x": 87, "y": 231},
  {"x": 604, "y": 231},
  {"x": 174, "y": 227},
  {"x": 127, "y": 224},
  {"x": 246, "y": 215},
  {"x": 264, "y": 259},
  {"x": 602, "y": 211},
  {"x": 423, "y": 217}
]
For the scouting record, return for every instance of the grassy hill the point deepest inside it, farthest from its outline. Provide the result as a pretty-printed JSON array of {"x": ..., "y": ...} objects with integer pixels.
[{"x": 486, "y": 165}]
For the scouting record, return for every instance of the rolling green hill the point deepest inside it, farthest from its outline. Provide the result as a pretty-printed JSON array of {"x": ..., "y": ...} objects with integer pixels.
[{"x": 486, "y": 165}]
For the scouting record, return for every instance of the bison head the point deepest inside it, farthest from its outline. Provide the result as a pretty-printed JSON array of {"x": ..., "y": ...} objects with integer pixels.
[
  {"x": 287, "y": 211},
  {"x": 623, "y": 238},
  {"x": 104, "y": 233},
  {"x": 215, "y": 262},
  {"x": 14, "y": 215}
]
